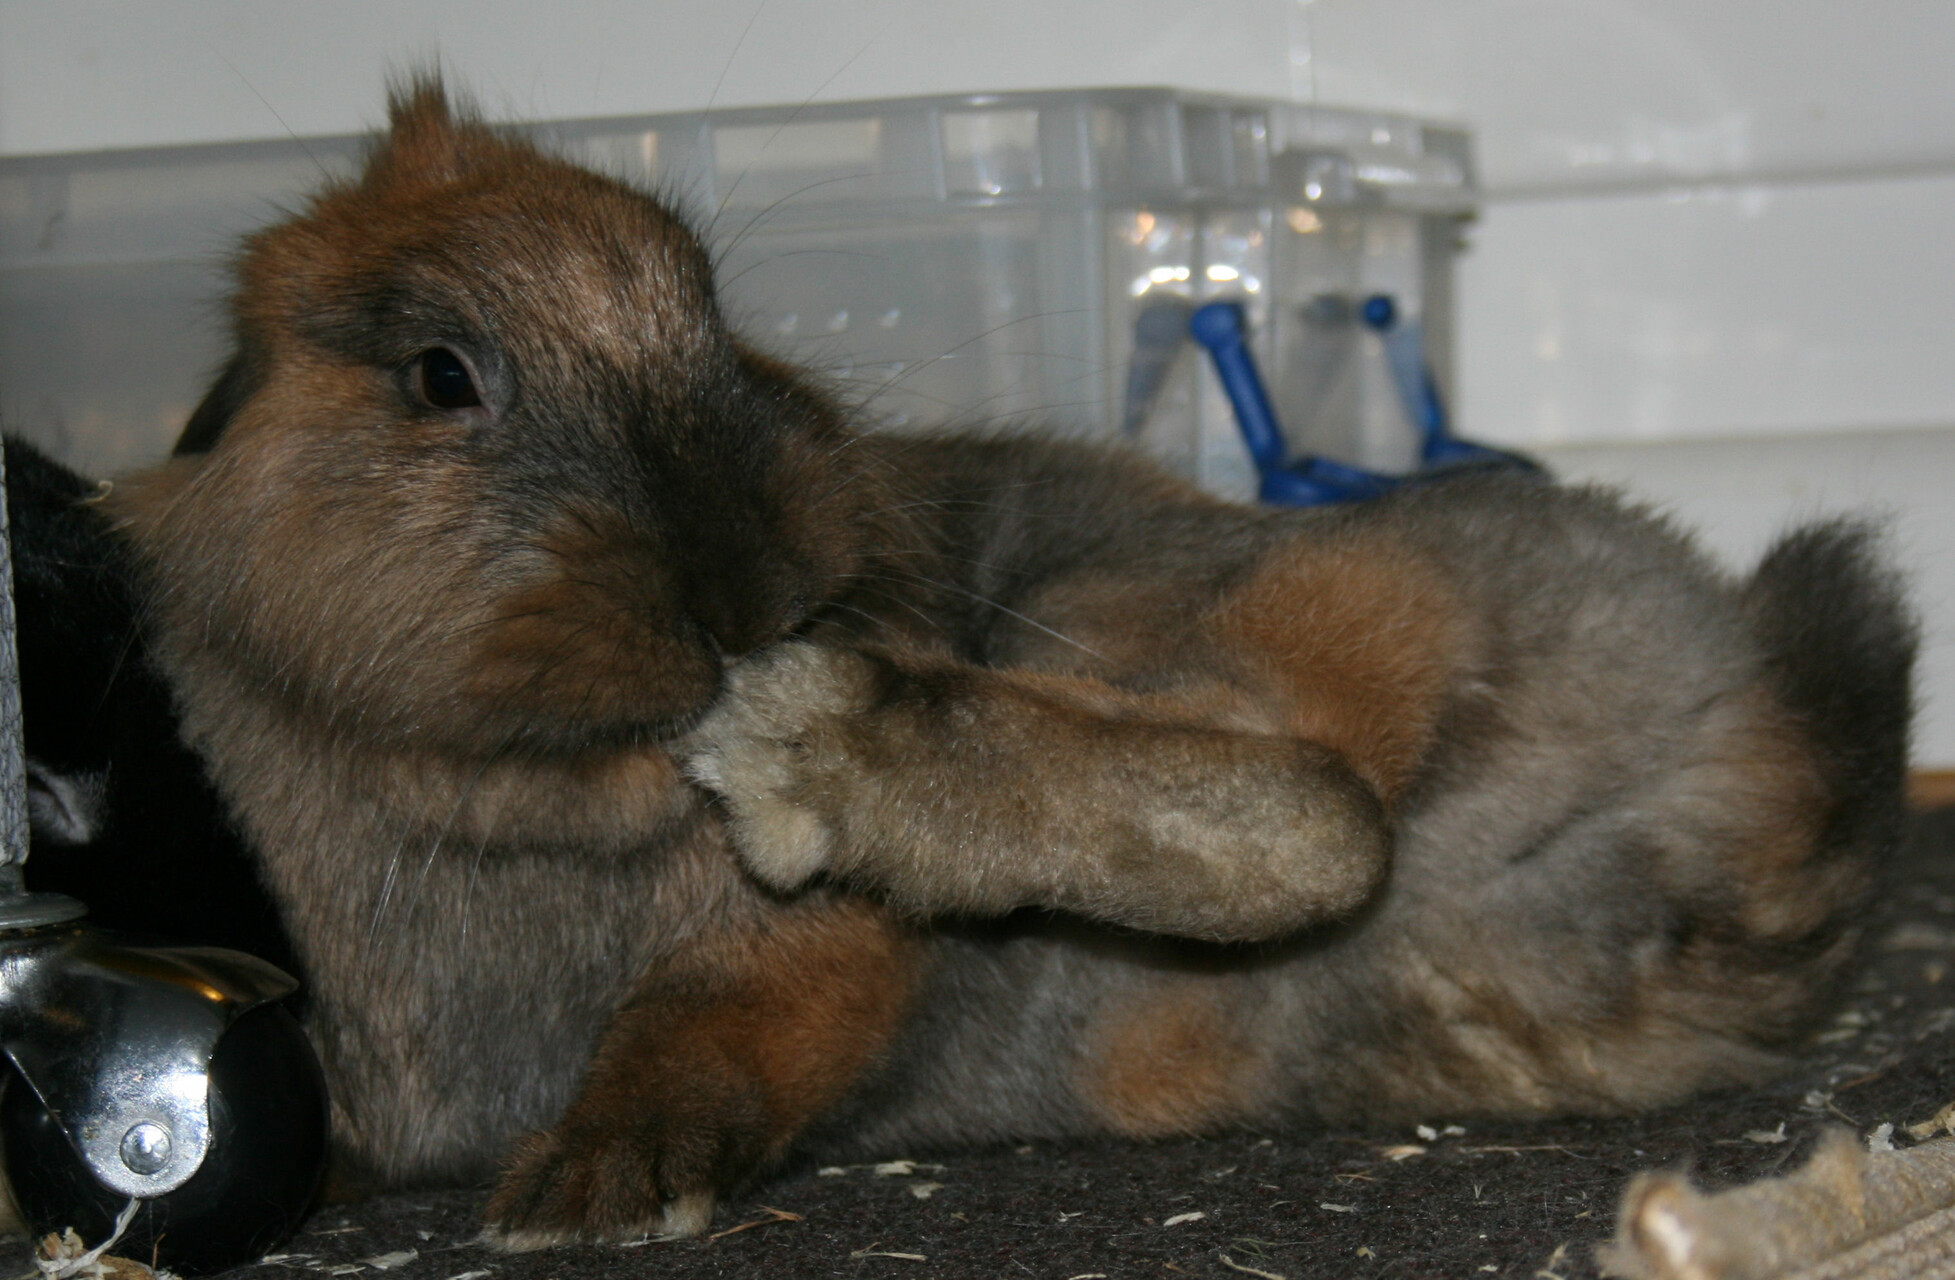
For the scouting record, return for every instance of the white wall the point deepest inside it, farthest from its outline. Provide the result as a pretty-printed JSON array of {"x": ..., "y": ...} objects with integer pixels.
[
  {"x": 1711, "y": 264},
  {"x": 114, "y": 73}
]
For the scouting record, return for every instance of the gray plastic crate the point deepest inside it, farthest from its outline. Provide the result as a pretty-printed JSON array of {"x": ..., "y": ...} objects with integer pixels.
[{"x": 953, "y": 259}]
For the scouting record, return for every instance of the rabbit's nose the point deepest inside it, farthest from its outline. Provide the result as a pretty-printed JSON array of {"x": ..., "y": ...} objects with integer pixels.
[{"x": 742, "y": 616}]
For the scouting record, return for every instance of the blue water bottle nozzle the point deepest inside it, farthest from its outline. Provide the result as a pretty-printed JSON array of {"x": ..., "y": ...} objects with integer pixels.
[
  {"x": 1404, "y": 340},
  {"x": 1222, "y": 328}
]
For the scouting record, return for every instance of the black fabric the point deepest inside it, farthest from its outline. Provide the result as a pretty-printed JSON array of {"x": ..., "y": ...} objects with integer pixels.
[{"x": 162, "y": 861}]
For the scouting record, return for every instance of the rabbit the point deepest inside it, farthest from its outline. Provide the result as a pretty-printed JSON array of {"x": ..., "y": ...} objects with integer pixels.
[{"x": 663, "y": 778}]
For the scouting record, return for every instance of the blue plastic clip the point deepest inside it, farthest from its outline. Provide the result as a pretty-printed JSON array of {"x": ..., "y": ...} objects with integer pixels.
[
  {"x": 1220, "y": 327},
  {"x": 1405, "y": 354},
  {"x": 1310, "y": 481}
]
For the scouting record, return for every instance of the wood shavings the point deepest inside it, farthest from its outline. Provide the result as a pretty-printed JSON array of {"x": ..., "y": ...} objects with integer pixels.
[
  {"x": 1180, "y": 1218},
  {"x": 1881, "y": 1139},
  {"x": 1339, "y": 1208},
  {"x": 1943, "y": 1121},
  {"x": 1933, "y": 1024},
  {"x": 1916, "y": 936},
  {"x": 1768, "y": 1136},
  {"x": 924, "y": 1190},
  {"x": 1515, "y": 1151},
  {"x": 1233, "y": 1265},
  {"x": 881, "y": 1169},
  {"x": 873, "y": 1252},
  {"x": 471, "y": 1275},
  {"x": 388, "y": 1261},
  {"x": 1404, "y": 1151},
  {"x": 773, "y": 1215},
  {"x": 66, "y": 1257}
]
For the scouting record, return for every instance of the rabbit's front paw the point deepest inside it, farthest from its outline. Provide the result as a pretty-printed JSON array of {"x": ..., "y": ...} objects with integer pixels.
[
  {"x": 582, "y": 1185},
  {"x": 767, "y": 749}
]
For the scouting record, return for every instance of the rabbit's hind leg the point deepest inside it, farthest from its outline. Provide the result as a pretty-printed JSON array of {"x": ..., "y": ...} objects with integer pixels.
[{"x": 1352, "y": 641}]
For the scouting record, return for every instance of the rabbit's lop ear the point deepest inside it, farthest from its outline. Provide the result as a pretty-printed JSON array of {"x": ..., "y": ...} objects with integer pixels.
[
  {"x": 429, "y": 139},
  {"x": 243, "y": 375}
]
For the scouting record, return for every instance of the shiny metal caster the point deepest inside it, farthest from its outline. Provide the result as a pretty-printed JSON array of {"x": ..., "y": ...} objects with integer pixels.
[{"x": 166, "y": 1077}]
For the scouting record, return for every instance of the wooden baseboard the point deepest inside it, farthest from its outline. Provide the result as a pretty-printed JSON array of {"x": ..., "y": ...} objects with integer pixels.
[{"x": 1931, "y": 789}]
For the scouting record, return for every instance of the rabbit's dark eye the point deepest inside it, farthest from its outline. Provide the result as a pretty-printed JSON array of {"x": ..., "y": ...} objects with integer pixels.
[{"x": 443, "y": 380}]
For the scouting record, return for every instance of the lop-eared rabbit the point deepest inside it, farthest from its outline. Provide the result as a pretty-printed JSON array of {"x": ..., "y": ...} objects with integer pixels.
[{"x": 662, "y": 779}]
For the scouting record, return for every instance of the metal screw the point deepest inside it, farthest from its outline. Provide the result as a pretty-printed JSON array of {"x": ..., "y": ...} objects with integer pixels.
[{"x": 146, "y": 1148}]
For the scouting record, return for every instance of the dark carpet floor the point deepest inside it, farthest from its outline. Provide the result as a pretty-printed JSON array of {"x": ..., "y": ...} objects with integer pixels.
[{"x": 1458, "y": 1199}]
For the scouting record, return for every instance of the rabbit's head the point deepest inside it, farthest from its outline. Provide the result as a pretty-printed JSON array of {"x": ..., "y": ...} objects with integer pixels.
[{"x": 486, "y": 469}]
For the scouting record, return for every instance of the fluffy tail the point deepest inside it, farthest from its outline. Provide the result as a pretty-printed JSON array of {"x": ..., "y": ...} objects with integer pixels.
[{"x": 1840, "y": 640}]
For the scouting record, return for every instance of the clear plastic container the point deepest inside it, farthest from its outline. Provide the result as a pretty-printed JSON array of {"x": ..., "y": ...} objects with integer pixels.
[{"x": 1021, "y": 257}]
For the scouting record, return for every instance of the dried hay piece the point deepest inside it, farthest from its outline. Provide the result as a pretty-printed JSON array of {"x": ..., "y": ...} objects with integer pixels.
[
  {"x": 66, "y": 1257},
  {"x": 873, "y": 1252},
  {"x": 388, "y": 1261},
  {"x": 773, "y": 1215},
  {"x": 1849, "y": 1214}
]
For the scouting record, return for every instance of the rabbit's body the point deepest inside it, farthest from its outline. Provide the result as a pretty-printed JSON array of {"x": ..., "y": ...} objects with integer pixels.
[{"x": 1527, "y": 808}]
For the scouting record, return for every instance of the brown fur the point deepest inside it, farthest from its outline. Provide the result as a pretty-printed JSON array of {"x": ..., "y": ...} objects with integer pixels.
[
  {"x": 1006, "y": 745},
  {"x": 723, "y": 1053},
  {"x": 1360, "y": 643},
  {"x": 1176, "y": 1063}
]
